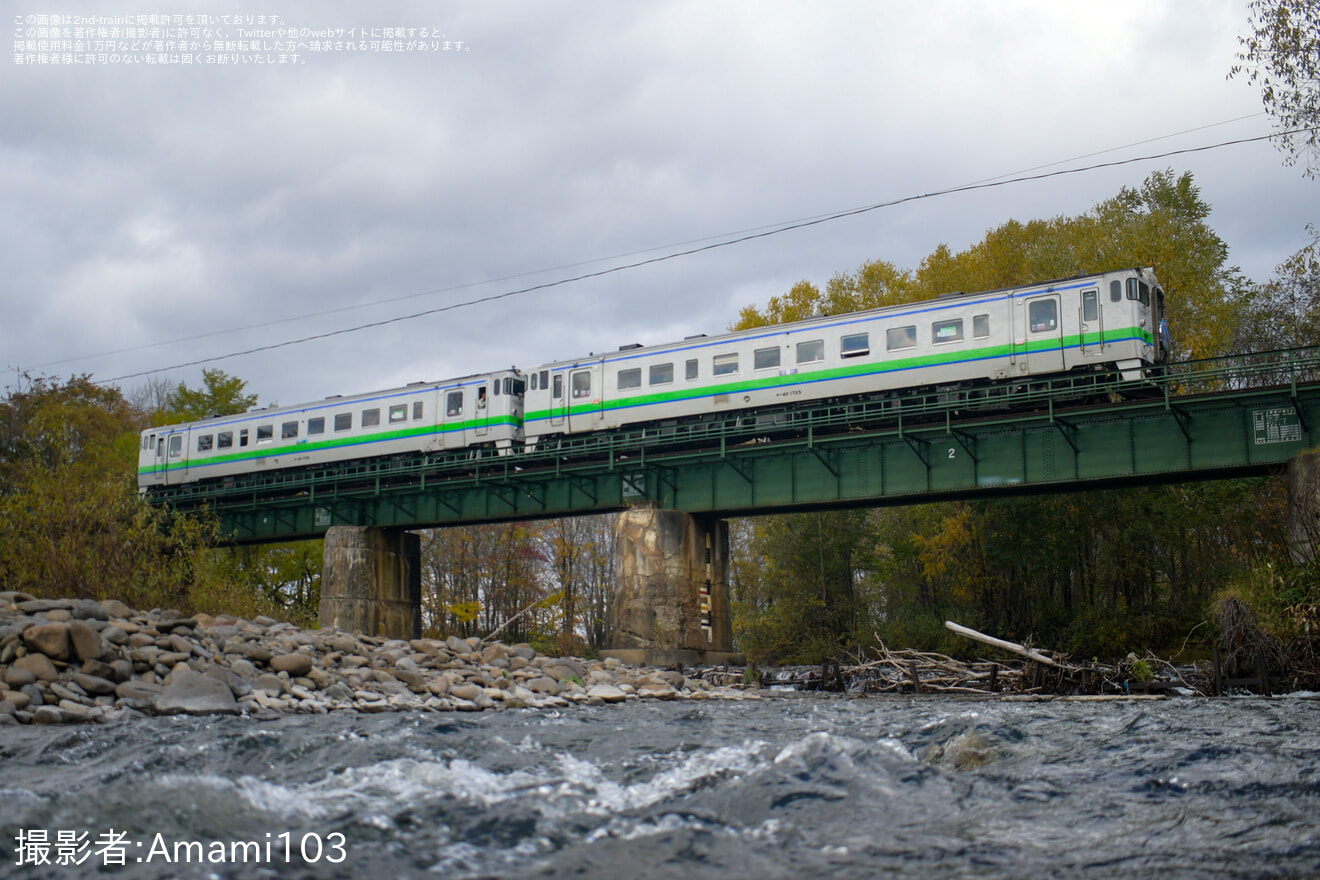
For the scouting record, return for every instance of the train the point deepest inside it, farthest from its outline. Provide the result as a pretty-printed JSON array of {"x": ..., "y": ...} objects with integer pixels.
[{"x": 1105, "y": 323}]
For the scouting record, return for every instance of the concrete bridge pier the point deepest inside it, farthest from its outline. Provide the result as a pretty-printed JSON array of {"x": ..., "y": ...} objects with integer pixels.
[
  {"x": 672, "y": 600},
  {"x": 371, "y": 582},
  {"x": 1304, "y": 505}
]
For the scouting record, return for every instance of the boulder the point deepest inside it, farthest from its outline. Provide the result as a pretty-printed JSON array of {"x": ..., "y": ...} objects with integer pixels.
[
  {"x": 39, "y": 665},
  {"x": 85, "y": 641},
  {"x": 294, "y": 664},
  {"x": 51, "y": 639},
  {"x": 195, "y": 694}
]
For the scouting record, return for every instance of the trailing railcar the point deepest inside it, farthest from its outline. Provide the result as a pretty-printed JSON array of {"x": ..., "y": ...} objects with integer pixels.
[
  {"x": 1105, "y": 322},
  {"x": 472, "y": 412}
]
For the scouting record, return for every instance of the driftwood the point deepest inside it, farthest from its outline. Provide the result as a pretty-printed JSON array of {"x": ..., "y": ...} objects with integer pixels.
[{"x": 1011, "y": 647}]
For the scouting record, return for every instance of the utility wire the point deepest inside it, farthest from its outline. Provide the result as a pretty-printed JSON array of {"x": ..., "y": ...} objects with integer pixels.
[{"x": 740, "y": 239}]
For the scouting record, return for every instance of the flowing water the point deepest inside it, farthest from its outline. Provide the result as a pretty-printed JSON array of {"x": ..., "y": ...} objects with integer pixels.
[{"x": 791, "y": 786}]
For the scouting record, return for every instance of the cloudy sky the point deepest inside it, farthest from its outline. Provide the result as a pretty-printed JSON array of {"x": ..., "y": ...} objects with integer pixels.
[{"x": 163, "y": 214}]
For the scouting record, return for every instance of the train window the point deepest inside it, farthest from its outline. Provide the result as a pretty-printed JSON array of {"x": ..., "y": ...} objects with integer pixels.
[
  {"x": 495, "y": 387},
  {"x": 370, "y": 418},
  {"x": 724, "y": 364},
  {"x": 454, "y": 404},
  {"x": 343, "y": 421},
  {"x": 243, "y": 437},
  {"x": 810, "y": 352},
  {"x": 176, "y": 446},
  {"x": 316, "y": 425},
  {"x": 288, "y": 429},
  {"x": 1043, "y": 314},
  {"x": 545, "y": 380},
  {"x": 1115, "y": 290},
  {"x": 690, "y": 369},
  {"x": 855, "y": 345},
  {"x": 224, "y": 440},
  {"x": 947, "y": 331},
  {"x": 981, "y": 326},
  {"x": 481, "y": 397},
  {"x": 265, "y": 433},
  {"x": 897, "y": 338},
  {"x": 534, "y": 377},
  {"x": 398, "y": 413},
  {"x": 1090, "y": 305},
  {"x": 662, "y": 374},
  {"x": 627, "y": 379},
  {"x": 204, "y": 443},
  {"x": 582, "y": 384},
  {"x": 417, "y": 410},
  {"x": 519, "y": 387},
  {"x": 559, "y": 386},
  {"x": 765, "y": 358},
  {"x": 1138, "y": 290}
]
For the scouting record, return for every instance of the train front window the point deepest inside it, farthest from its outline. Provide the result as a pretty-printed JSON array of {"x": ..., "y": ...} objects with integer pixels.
[
  {"x": 1139, "y": 291},
  {"x": 1043, "y": 315}
]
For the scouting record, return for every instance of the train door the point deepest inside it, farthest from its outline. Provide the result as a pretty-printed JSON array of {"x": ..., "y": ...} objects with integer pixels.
[
  {"x": 483, "y": 411},
  {"x": 1044, "y": 335},
  {"x": 176, "y": 456},
  {"x": 558, "y": 405},
  {"x": 1090, "y": 316},
  {"x": 584, "y": 398},
  {"x": 453, "y": 431}
]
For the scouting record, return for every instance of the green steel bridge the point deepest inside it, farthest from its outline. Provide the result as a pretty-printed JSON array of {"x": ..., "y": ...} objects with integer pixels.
[{"x": 1208, "y": 419}]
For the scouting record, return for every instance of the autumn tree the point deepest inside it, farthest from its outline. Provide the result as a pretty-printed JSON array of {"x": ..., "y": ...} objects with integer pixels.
[{"x": 1282, "y": 56}]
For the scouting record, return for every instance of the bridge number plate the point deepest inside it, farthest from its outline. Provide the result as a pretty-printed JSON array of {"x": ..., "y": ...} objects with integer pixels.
[{"x": 1277, "y": 426}]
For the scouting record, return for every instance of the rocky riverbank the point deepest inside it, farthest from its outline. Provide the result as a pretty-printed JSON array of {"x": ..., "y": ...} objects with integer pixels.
[{"x": 78, "y": 661}]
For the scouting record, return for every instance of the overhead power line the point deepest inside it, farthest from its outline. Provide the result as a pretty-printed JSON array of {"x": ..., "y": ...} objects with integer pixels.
[{"x": 687, "y": 252}]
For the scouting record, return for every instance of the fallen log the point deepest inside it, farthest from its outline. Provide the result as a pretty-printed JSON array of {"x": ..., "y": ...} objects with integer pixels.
[{"x": 1012, "y": 647}]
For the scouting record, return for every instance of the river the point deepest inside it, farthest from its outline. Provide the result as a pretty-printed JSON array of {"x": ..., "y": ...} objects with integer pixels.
[{"x": 790, "y": 786}]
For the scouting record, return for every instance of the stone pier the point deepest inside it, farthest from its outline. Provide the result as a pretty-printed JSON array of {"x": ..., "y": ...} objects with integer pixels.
[
  {"x": 1304, "y": 505},
  {"x": 371, "y": 582},
  {"x": 672, "y": 601}
]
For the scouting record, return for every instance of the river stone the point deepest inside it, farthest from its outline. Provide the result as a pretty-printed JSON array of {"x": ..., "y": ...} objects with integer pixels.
[
  {"x": 543, "y": 685},
  {"x": 96, "y": 687},
  {"x": 294, "y": 664},
  {"x": 139, "y": 691},
  {"x": 51, "y": 639},
  {"x": 7, "y": 707},
  {"x": 562, "y": 672},
  {"x": 47, "y": 715},
  {"x": 195, "y": 694},
  {"x": 607, "y": 692},
  {"x": 39, "y": 606},
  {"x": 116, "y": 609},
  {"x": 90, "y": 609},
  {"x": 339, "y": 691},
  {"x": 523, "y": 650},
  {"x": 18, "y": 698},
  {"x": 39, "y": 665},
  {"x": 257, "y": 653},
  {"x": 657, "y": 691},
  {"x": 85, "y": 640},
  {"x": 267, "y": 683},
  {"x": 465, "y": 691},
  {"x": 17, "y": 676}
]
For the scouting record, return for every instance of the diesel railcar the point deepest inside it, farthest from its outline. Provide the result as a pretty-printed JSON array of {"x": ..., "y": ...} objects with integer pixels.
[
  {"x": 1105, "y": 322},
  {"x": 480, "y": 411}
]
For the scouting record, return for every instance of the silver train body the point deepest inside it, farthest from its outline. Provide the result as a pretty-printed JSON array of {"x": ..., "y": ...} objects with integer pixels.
[
  {"x": 1109, "y": 321},
  {"x": 471, "y": 412},
  {"x": 1102, "y": 322}
]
